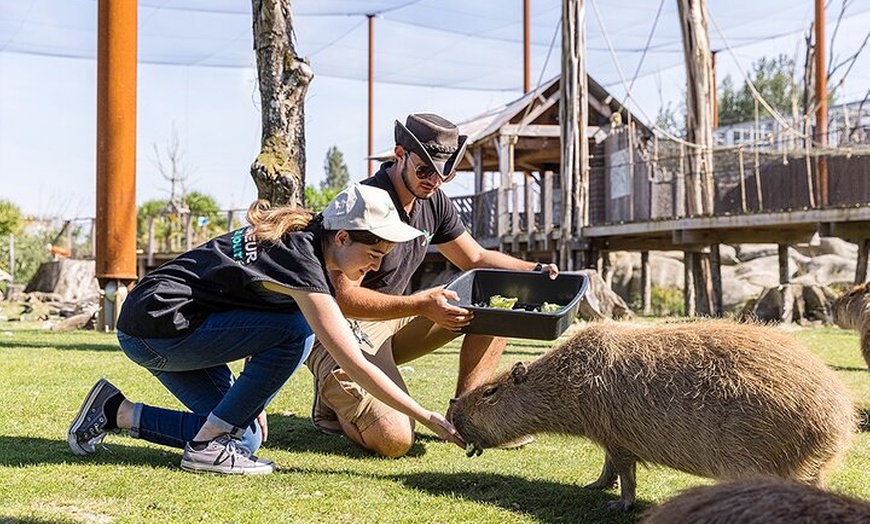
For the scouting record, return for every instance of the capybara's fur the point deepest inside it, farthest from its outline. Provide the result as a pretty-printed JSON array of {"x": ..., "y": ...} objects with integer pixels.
[
  {"x": 759, "y": 501},
  {"x": 713, "y": 398},
  {"x": 852, "y": 311}
]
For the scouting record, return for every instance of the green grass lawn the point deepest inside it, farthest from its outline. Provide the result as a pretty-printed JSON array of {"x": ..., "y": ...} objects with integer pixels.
[{"x": 321, "y": 478}]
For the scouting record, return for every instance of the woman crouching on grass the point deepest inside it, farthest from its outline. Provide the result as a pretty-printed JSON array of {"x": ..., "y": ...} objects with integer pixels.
[{"x": 261, "y": 292}]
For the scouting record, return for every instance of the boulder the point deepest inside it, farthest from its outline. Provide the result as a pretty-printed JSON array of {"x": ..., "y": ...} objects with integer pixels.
[
  {"x": 71, "y": 279},
  {"x": 600, "y": 302},
  {"x": 802, "y": 304}
]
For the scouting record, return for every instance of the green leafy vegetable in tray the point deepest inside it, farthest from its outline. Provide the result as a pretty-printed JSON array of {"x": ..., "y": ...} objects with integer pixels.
[
  {"x": 500, "y": 302},
  {"x": 546, "y": 307}
]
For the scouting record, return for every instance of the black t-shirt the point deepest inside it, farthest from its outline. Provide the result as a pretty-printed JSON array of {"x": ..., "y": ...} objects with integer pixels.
[
  {"x": 436, "y": 216},
  {"x": 224, "y": 274}
]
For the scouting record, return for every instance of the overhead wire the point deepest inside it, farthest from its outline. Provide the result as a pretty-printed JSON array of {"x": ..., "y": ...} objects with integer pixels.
[
  {"x": 758, "y": 141},
  {"x": 628, "y": 94},
  {"x": 646, "y": 46},
  {"x": 748, "y": 82}
]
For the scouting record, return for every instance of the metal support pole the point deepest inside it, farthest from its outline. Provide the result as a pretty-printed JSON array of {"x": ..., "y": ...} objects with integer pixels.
[
  {"x": 371, "y": 92},
  {"x": 116, "y": 155},
  {"x": 527, "y": 85}
]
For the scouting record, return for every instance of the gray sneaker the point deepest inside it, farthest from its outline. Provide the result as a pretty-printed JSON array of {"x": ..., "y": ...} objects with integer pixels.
[
  {"x": 227, "y": 456},
  {"x": 87, "y": 430}
]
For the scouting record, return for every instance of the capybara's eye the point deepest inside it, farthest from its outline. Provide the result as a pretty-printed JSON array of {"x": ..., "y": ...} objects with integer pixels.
[{"x": 490, "y": 391}]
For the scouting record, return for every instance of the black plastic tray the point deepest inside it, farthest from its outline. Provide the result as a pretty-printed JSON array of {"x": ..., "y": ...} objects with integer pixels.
[{"x": 531, "y": 290}]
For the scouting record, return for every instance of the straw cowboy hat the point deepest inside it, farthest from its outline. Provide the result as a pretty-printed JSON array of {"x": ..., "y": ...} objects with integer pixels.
[{"x": 435, "y": 139}]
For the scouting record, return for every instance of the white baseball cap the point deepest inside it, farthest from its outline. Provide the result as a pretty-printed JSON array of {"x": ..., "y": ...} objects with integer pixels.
[{"x": 367, "y": 208}]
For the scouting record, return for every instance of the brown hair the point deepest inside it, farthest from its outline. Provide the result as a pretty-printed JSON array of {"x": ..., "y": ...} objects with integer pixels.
[{"x": 272, "y": 223}]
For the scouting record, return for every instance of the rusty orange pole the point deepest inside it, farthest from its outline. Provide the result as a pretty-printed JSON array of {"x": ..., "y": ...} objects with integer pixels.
[
  {"x": 371, "y": 88},
  {"x": 527, "y": 85},
  {"x": 714, "y": 96},
  {"x": 821, "y": 135},
  {"x": 116, "y": 153}
]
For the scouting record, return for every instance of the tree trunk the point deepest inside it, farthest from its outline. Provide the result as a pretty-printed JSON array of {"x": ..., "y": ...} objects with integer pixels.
[
  {"x": 699, "y": 132},
  {"x": 699, "y": 105},
  {"x": 573, "y": 116},
  {"x": 279, "y": 169}
]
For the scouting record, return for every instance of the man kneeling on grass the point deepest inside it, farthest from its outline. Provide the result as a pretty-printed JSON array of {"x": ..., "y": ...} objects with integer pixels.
[{"x": 260, "y": 292}]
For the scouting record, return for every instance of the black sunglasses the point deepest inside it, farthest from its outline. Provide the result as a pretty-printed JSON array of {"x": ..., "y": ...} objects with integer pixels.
[{"x": 425, "y": 171}]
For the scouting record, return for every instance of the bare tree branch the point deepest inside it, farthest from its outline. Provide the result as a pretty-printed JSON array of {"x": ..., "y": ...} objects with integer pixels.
[{"x": 860, "y": 110}]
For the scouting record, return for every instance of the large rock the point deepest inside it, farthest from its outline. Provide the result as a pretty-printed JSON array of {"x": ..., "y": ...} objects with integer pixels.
[
  {"x": 829, "y": 246},
  {"x": 787, "y": 303},
  {"x": 828, "y": 269},
  {"x": 600, "y": 302},
  {"x": 747, "y": 270},
  {"x": 71, "y": 279}
]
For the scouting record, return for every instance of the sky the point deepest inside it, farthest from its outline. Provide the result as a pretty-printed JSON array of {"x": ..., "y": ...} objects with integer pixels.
[{"x": 452, "y": 57}]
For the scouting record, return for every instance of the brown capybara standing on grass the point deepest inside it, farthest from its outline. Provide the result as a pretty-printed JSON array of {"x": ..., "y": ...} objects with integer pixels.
[
  {"x": 712, "y": 398},
  {"x": 759, "y": 501},
  {"x": 852, "y": 311}
]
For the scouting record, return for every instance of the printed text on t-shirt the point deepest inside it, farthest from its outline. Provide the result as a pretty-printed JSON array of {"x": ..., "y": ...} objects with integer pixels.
[{"x": 244, "y": 246}]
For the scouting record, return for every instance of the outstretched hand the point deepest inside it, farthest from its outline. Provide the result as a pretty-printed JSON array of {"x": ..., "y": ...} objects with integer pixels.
[
  {"x": 551, "y": 269},
  {"x": 444, "y": 429},
  {"x": 437, "y": 308}
]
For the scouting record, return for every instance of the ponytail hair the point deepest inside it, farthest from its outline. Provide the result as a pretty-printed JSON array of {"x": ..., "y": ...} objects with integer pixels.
[{"x": 271, "y": 223}]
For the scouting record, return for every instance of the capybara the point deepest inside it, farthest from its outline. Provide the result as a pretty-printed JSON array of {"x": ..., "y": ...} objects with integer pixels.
[
  {"x": 852, "y": 311},
  {"x": 713, "y": 398},
  {"x": 759, "y": 501}
]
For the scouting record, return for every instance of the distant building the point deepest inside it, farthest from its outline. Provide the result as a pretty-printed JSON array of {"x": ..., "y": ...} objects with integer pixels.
[{"x": 848, "y": 125}]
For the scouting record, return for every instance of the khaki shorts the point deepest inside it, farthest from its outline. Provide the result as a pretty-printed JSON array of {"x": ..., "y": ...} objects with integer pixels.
[{"x": 388, "y": 342}]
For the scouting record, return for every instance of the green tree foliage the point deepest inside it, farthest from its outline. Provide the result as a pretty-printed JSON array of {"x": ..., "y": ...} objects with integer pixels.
[
  {"x": 31, "y": 250},
  {"x": 672, "y": 119},
  {"x": 11, "y": 220},
  {"x": 773, "y": 78},
  {"x": 317, "y": 200},
  {"x": 169, "y": 227},
  {"x": 335, "y": 169}
]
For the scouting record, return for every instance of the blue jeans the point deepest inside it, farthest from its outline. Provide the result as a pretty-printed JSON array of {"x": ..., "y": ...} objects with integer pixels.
[{"x": 194, "y": 369}]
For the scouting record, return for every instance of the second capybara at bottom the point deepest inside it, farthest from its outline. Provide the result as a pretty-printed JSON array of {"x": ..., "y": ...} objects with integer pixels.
[
  {"x": 717, "y": 399},
  {"x": 759, "y": 501}
]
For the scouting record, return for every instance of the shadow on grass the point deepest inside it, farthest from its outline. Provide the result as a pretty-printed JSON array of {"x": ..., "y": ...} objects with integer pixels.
[
  {"x": 35, "y": 520},
  {"x": 62, "y": 345},
  {"x": 295, "y": 433},
  {"x": 23, "y": 451},
  {"x": 545, "y": 501},
  {"x": 848, "y": 368}
]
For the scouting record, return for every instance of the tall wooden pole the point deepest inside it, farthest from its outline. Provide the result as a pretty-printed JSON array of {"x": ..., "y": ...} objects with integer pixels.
[
  {"x": 821, "y": 134},
  {"x": 573, "y": 108},
  {"x": 699, "y": 105},
  {"x": 699, "y": 132},
  {"x": 116, "y": 154},
  {"x": 371, "y": 18},
  {"x": 527, "y": 85}
]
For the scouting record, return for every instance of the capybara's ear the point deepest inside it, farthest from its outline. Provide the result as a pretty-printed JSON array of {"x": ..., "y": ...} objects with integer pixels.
[{"x": 518, "y": 373}]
